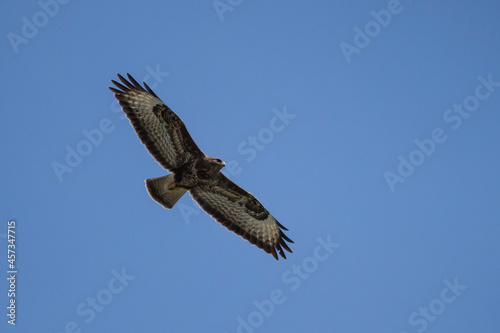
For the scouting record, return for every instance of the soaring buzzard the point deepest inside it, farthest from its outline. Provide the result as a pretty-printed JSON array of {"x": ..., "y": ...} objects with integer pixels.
[{"x": 167, "y": 139}]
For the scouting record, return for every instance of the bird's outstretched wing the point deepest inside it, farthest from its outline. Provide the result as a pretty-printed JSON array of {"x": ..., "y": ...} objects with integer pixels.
[
  {"x": 240, "y": 212},
  {"x": 159, "y": 128}
]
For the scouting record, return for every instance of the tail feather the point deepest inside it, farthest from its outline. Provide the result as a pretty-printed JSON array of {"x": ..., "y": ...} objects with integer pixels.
[{"x": 159, "y": 190}]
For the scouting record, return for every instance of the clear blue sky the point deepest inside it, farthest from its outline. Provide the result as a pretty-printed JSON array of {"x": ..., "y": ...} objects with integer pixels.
[{"x": 383, "y": 163}]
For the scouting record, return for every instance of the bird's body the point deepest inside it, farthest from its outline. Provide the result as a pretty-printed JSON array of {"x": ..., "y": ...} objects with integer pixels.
[{"x": 167, "y": 139}]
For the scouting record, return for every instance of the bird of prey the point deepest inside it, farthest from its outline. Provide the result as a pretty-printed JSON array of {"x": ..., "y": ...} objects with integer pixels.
[{"x": 168, "y": 141}]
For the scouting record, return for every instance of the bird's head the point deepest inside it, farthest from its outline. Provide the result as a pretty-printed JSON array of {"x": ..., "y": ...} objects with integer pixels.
[{"x": 216, "y": 163}]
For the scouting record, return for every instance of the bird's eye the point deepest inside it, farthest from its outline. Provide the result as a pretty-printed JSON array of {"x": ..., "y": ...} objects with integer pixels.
[{"x": 219, "y": 160}]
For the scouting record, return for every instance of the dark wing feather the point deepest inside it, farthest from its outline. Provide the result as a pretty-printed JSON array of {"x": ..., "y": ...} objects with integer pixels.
[
  {"x": 159, "y": 128},
  {"x": 240, "y": 212}
]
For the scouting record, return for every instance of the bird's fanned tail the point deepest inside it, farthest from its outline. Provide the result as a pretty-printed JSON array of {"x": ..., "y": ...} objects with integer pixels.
[{"x": 164, "y": 191}]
